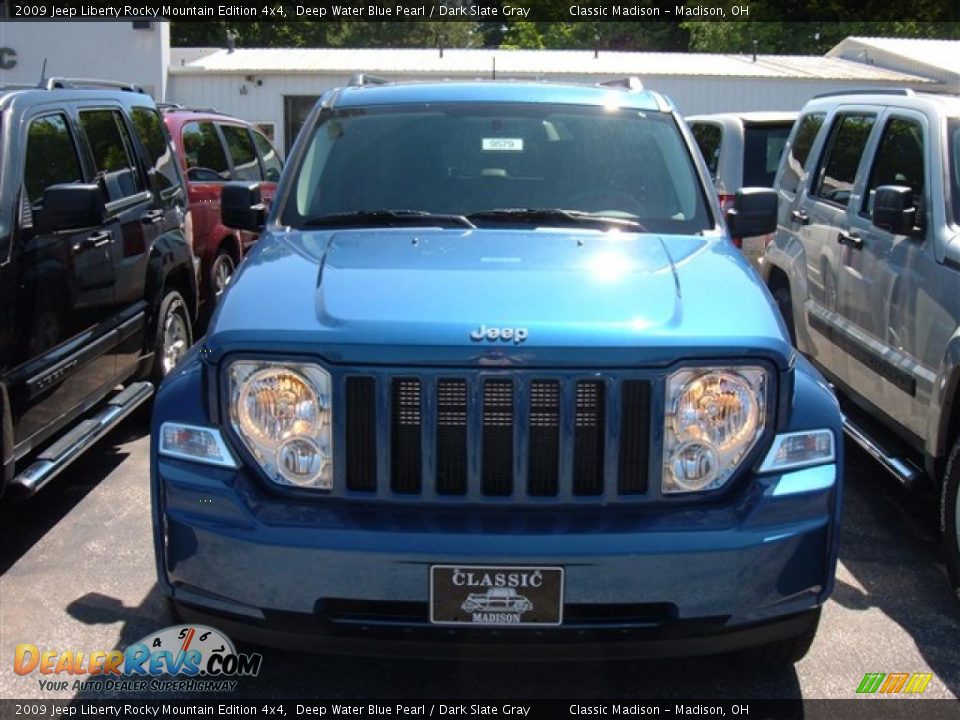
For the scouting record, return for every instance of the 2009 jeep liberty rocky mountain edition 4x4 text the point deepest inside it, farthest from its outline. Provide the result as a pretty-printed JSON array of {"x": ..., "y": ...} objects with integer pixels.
[{"x": 495, "y": 335}]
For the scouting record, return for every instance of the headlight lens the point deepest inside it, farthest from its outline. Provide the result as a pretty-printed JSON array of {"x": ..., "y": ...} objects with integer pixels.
[
  {"x": 714, "y": 417},
  {"x": 282, "y": 413}
]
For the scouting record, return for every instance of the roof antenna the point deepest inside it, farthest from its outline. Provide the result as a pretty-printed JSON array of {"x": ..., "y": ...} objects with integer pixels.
[
  {"x": 231, "y": 41},
  {"x": 43, "y": 73},
  {"x": 494, "y": 58},
  {"x": 755, "y": 43}
]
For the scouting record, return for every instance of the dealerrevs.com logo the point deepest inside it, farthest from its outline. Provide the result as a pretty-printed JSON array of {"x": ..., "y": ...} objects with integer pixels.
[{"x": 203, "y": 657}]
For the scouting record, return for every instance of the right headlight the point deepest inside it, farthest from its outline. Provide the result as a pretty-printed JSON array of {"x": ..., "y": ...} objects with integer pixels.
[
  {"x": 714, "y": 418},
  {"x": 282, "y": 413}
]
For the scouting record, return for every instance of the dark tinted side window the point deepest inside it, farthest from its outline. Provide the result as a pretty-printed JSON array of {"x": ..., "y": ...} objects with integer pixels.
[
  {"x": 206, "y": 160},
  {"x": 51, "y": 156},
  {"x": 242, "y": 153},
  {"x": 272, "y": 167},
  {"x": 163, "y": 168},
  {"x": 807, "y": 128},
  {"x": 112, "y": 153},
  {"x": 762, "y": 148},
  {"x": 709, "y": 137},
  {"x": 838, "y": 169},
  {"x": 899, "y": 160}
]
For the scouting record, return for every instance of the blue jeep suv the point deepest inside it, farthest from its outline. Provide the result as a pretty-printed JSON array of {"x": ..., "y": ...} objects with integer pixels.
[{"x": 496, "y": 341}]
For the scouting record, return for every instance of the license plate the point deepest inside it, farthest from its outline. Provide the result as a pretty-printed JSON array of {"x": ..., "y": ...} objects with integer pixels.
[{"x": 496, "y": 596}]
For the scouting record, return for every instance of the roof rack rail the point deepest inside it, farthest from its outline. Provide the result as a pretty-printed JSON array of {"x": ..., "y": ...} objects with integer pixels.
[
  {"x": 907, "y": 92},
  {"x": 627, "y": 83},
  {"x": 177, "y": 107},
  {"x": 362, "y": 79},
  {"x": 60, "y": 83}
]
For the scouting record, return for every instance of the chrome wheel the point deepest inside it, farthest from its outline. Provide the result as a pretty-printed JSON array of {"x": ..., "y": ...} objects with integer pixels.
[
  {"x": 176, "y": 339},
  {"x": 221, "y": 273}
]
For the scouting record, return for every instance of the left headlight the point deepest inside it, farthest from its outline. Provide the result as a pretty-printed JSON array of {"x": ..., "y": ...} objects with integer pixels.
[
  {"x": 714, "y": 418},
  {"x": 282, "y": 413}
]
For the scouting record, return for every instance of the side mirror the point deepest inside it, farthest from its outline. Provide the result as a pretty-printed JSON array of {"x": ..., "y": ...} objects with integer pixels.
[
  {"x": 241, "y": 206},
  {"x": 754, "y": 212},
  {"x": 894, "y": 209},
  {"x": 70, "y": 207}
]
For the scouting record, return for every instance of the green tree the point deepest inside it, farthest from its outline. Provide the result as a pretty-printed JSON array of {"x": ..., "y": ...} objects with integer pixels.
[{"x": 634, "y": 36}]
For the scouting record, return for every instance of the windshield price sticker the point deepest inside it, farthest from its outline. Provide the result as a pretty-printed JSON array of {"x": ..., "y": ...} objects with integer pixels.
[{"x": 503, "y": 144}]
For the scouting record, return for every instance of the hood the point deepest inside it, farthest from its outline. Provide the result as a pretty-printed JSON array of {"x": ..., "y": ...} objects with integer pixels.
[{"x": 498, "y": 296}]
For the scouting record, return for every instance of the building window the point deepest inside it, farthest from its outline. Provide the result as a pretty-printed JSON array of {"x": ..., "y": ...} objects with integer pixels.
[{"x": 295, "y": 111}]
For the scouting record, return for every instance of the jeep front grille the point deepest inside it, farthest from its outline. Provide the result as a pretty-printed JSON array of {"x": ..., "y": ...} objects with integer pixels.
[{"x": 495, "y": 436}]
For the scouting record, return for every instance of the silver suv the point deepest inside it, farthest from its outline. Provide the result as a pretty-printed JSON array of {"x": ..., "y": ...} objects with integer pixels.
[{"x": 865, "y": 267}]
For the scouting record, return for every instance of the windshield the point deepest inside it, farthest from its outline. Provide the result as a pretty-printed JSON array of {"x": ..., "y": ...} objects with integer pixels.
[{"x": 466, "y": 159}]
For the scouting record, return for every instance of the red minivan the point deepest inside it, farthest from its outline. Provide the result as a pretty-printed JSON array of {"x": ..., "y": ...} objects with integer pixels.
[{"x": 214, "y": 149}]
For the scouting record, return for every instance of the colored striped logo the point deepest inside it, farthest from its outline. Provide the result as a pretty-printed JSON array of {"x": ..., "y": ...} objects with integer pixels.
[{"x": 893, "y": 683}]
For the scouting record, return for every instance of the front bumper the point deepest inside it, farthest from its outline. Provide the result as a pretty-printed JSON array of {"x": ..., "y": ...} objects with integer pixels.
[{"x": 704, "y": 580}]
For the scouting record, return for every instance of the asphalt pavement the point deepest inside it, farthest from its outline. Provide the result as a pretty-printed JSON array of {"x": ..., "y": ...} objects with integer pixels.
[{"x": 78, "y": 574}]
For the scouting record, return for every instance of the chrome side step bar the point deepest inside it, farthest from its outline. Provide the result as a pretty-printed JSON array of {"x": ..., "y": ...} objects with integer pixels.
[
  {"x": 903, "y": 470},
  {"x": 58, "y": 456}
]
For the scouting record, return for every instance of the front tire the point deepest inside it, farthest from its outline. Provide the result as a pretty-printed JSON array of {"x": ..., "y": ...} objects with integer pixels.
[
  {"x": 173, "y": 335},
  {"x": 950, "y": 517},
  {"x": 781, "y": 294}
]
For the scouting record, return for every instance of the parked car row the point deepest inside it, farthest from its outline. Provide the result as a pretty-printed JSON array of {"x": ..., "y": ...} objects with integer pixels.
[
  {"x": 104, "y": 225},
  {"x": 482, "y": 350}
]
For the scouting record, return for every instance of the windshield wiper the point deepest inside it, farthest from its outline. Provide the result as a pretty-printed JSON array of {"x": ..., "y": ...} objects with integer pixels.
[
  {"x": 388, "y": 218},
  {"x": 556, "y": 216}
]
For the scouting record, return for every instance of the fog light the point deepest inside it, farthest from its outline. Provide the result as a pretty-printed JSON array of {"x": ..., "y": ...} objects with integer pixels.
[
  {"x": 200, "y": 444},
  {"x": 695, "y": 466},
  {"x": 301, "y": 462}
]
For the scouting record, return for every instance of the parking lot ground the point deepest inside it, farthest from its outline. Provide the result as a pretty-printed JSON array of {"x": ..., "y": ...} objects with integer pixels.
[{"x": 78, "y": 574}]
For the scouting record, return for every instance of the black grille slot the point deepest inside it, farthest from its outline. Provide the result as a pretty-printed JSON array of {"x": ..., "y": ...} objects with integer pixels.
[
  {"x": 451, "y": 437},
  {"x": 634, "y": 437},
  {"x": 361, "y": 434},
  {"x": 497, "y": 437},
  {"x": 405, "y": 453},
  {"x": 544, "y": 452},
  {"x": 588, "y": 439}
]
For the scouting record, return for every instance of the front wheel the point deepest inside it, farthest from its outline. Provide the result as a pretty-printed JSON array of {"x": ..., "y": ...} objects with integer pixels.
[
  {"x": 220, "y": 273},
  {"x": 173, "y": 335},
  {"x": 950, "y": 517}
]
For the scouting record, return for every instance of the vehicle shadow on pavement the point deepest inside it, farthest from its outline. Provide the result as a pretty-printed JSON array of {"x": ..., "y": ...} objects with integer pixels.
[
  {"x": 24, "y": 522},
  {"x": 287, "y": 674},
  {"x": 889, "y": 545}
]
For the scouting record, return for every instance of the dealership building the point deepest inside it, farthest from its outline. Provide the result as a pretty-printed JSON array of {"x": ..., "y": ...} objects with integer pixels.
[{"x": 275, "y": 88}]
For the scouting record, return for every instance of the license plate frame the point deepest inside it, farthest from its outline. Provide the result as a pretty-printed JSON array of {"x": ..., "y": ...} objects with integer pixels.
[{"x": 499, "y": 596}]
